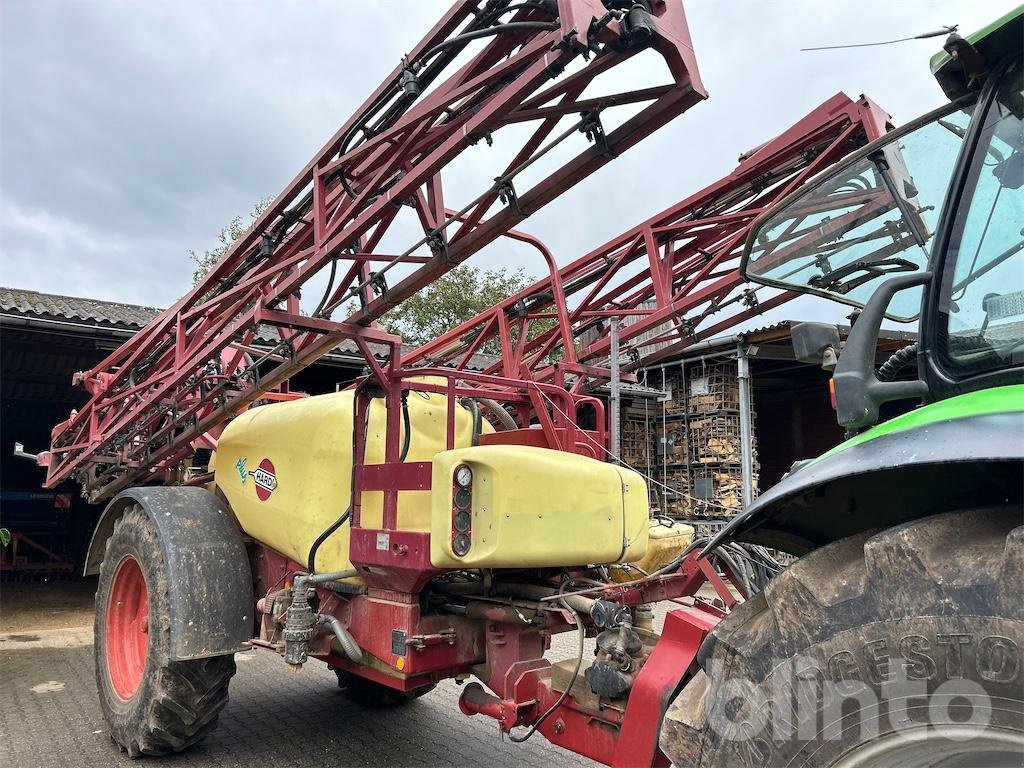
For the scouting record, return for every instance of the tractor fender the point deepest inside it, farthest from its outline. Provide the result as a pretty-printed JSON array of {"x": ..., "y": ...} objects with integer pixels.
[
  {"x": 961, "y": 463},
  {"x": 211, "y": 598}
]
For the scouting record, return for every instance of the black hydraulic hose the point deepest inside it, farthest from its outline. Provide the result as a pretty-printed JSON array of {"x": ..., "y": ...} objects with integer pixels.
[
  {"x": 580, "y": 634},
  {"x": 429, "y": 72},
  {"x": 329, "y": 531},
  {"x": 899, "y": 360},
  {"x": 407, "y": 440},
  {"x": 396, "y": 108},
  {"x": 478, "y": 420},
  {"x": 511, "y": 26},
  {"x": 328, "y": 289}
]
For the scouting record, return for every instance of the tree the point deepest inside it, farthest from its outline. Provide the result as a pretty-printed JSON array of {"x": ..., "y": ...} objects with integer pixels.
[
  {"x": 230, "y": 232},
  {"x": 461, "y": 294}
]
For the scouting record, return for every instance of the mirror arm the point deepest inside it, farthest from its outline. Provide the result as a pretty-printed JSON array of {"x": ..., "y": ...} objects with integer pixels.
[
  {"x": 859, "y": 393},
  {"x": 882, "y": 166}
]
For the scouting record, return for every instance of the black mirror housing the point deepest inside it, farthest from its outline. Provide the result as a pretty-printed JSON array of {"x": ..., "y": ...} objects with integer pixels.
[
  {"x": 815, "y": 343},
  {"x": 859, "y": 393}
]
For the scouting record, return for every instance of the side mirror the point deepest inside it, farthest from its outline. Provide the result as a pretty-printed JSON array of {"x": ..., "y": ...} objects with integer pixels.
[
  {"x": 816, "y": 344},
  {"x": 859, "y": 393}
]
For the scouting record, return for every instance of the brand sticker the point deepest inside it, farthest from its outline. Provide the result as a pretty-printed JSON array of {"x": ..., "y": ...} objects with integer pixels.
[
  {"x": 383, "y": 541},
  {"x": 265, "y": 479},
  {"x": 242, "y": 473}
]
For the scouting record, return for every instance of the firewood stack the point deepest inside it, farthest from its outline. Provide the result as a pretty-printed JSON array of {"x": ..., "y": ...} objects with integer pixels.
[
  {"x": 716, "y": 448},
  {"x": 636, "y": 444},
  {"x": 691, "y": 441}
]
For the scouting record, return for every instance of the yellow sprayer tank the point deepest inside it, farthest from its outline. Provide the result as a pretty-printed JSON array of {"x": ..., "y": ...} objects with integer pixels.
[
  {"x": 666, "y": 542},
  {"x": 286, "y": 471}
]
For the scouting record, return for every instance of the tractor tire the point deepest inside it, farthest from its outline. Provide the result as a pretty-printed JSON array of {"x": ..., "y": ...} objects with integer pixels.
[
  {"x": 893, "y": 648},
  {"x": 373, "y": 695},
  {"x": 153, "y": 705}
]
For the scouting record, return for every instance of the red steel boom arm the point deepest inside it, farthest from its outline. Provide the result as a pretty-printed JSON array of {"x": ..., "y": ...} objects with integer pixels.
[
  {"x": 155, "y": 398},
  {"x": 672, "y": 279}
]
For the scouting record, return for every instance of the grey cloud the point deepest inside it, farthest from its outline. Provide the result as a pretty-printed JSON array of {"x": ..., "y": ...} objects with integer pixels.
[{"x": 131, "y": 132}]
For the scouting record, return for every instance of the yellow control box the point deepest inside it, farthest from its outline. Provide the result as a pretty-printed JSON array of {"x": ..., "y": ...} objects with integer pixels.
[{"x": 534, "y": 507}]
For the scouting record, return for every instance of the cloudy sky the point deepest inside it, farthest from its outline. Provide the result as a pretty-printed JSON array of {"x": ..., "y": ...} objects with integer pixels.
[{"x": 130, "y": 132}]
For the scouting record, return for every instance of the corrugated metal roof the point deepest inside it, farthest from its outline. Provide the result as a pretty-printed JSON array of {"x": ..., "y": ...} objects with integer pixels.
[
  {"x": 781, "y": 330},
  {"x": 128, "y": 318},
  {"x": 844, "y": 331}
]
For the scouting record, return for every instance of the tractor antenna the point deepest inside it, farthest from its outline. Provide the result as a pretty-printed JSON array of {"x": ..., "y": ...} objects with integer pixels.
[{"x": 936, "y": 33}]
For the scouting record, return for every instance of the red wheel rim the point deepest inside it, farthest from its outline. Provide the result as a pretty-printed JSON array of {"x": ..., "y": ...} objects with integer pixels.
[{"x": 127, "y": 628}]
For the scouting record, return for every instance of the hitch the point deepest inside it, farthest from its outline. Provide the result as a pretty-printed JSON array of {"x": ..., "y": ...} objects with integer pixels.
[{"x": 40, "y": 459}]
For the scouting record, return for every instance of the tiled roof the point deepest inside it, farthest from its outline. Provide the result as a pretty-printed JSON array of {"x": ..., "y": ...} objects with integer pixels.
[
  {"x": 91, "y": 311},
  {"x": 124, "y": 317}
]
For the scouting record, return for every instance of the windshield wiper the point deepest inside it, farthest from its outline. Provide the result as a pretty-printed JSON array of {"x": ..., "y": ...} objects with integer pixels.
[
  {"x": 882, "y": 166},
  {"x": 833, "y": 279}
]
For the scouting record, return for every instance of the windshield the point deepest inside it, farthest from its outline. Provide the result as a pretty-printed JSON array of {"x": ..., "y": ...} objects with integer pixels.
[
  {"x": 982, "y": 300},
  {"x": 870, "y": 219}
]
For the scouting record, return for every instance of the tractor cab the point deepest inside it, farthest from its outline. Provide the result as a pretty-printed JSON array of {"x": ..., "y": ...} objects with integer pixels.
[{"x": 925, "y": 223}]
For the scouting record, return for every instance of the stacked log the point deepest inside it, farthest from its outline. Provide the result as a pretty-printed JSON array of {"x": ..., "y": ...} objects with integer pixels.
[
  {"x": 690, "y": 441},
  {"x": 636, "y": 444},
  {"x": 716, "y": 446}
]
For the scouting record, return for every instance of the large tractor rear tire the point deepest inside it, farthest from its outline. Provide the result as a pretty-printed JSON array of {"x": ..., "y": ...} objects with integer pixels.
[
  {"x": 888, "y": 649},
  {"x": 153, "y": 705}
]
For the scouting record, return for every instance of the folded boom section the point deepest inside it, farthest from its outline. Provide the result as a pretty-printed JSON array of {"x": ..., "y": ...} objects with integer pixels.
[
  {"x": 485, "y": 67},
  {"x": 671, "y": 281}
]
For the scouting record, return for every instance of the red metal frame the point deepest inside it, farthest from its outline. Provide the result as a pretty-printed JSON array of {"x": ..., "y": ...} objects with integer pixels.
[
  {"x": 11, "y": 561},
  {"x": 164, "y": 389},
  {"x": 618, "y": 734},
  {"x": 673, "y": 280},
  {"x": 492, "y": 642}
]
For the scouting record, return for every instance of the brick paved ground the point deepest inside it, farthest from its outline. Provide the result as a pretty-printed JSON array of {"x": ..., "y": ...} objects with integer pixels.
[{"x": 49, "y": 716}]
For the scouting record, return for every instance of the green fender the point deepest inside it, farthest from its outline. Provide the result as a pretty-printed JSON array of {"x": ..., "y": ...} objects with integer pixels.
[{"x": 965, "y": 451}]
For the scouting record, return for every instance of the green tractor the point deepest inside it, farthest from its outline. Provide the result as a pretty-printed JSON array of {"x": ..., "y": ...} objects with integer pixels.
[{"x": 897, "y": 637}]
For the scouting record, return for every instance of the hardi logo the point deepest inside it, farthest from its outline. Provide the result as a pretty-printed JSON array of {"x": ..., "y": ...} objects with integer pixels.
[{"x": 264, "y": 479}]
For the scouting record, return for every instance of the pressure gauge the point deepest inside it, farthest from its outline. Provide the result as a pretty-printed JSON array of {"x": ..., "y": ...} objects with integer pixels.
[{"x": 464, "y": 476}]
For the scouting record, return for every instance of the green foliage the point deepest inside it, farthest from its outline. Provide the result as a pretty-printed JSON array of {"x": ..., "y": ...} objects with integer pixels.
[
  {"x": 230, "y": 232},
  {"x": 459, "y": 295},
  {"x": 5, "y": 537}
]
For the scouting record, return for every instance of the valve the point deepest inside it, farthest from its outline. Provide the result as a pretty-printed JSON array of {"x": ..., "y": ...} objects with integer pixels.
[
  {"x": 298, "y": 626},
  {"x": 410, "y": 83},
  {"x": 618, "y": 653},
  {"x": 639, "y": 26}
]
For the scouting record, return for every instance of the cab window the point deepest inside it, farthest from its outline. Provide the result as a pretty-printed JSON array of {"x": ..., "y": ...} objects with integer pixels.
[{"x": 981, "y": 309}]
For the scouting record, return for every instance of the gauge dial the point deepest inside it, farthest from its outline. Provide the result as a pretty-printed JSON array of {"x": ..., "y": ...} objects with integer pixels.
[{"x": 464, "y": 476}]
